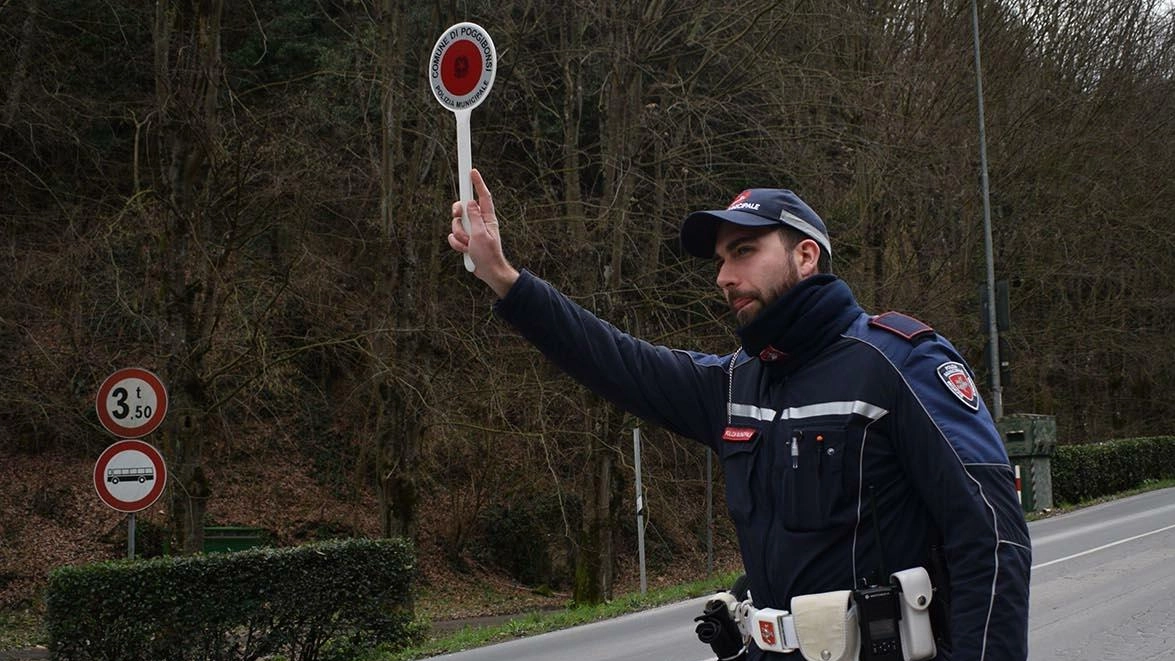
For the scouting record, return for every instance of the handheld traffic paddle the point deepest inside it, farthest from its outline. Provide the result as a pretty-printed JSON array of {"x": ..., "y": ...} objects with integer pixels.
[{"x": 461, "y": 72}]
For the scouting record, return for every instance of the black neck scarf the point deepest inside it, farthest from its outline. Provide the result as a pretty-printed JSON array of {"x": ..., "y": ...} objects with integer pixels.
[{"x": 809, "y": 317}]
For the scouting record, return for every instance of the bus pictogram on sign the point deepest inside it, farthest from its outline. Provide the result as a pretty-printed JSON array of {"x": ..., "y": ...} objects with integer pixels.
[{"x": 139, "y": 474}]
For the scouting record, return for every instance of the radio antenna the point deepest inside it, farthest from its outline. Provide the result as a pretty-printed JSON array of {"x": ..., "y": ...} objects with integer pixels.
[{"x": 877, "y": 532}]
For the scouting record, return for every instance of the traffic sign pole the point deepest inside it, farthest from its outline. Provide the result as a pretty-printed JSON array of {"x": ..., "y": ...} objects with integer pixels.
[{"x": 640, "y": 506}]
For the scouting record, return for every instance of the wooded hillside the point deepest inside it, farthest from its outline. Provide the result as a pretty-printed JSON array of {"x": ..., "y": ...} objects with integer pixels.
[{"x": 251, "y": 199}]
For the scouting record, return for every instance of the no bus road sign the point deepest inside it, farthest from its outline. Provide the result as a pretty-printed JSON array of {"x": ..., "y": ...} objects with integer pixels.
[
  {"x": 131, "y": 403},
  {"x": 130, "y": 475}
]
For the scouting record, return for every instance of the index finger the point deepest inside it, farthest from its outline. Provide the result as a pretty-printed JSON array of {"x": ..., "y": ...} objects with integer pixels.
[{"x": 484, "y": 199}]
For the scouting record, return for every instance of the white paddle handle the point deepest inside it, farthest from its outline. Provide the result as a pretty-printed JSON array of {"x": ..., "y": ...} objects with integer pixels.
[{"x": 464, "y": 166}]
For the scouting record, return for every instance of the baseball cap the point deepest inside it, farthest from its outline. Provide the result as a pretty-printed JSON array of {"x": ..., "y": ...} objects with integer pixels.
[{"x": 755, "y": 207}]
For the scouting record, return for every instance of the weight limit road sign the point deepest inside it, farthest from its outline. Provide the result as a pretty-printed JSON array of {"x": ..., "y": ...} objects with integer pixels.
[
  {"x": 131, "y": 403},
  {"x": 130, "y": 475}
]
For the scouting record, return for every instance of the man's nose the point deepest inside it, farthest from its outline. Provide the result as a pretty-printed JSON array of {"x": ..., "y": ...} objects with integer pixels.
[{"x": 725, "y": 277}]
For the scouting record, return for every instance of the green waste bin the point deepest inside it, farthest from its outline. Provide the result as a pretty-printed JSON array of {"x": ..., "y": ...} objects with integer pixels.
[
  {"x": 1030, "y": 439},
  {"x": 219, "y": 539}
]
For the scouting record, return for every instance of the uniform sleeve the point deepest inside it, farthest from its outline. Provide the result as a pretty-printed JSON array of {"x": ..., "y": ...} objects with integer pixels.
[
  {"x": 678, "y": 390},
  {"x": 958, "y": 464}
]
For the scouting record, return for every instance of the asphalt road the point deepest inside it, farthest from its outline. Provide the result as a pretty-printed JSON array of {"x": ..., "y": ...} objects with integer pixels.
[
  {"x": 1103, "y": 582},
  {"x": 1103, "y": 588}
]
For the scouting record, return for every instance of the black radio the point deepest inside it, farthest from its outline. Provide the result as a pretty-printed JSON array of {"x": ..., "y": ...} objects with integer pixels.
[{"x": 877, "y": 615}]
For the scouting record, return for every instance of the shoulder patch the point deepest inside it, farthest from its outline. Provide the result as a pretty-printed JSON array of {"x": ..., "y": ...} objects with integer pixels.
[
  {"x": 901, "y": 325},
  {"x": 955, "y": 377}
]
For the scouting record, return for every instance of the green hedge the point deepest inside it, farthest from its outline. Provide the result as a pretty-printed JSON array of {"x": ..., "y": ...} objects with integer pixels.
[
  {"x": 1092, "y": 470},
  {"x": 318, "y": 601}
]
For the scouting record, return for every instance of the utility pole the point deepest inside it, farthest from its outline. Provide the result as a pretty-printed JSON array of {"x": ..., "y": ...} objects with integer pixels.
[{"x": 997, "y": 390}]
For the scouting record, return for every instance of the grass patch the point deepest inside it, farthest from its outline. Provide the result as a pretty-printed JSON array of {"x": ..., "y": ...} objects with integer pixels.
[
  {"x": 536, "y": 623},
  {"x": 1062, "y": 508},
  {"x": 21, "y": 629}
]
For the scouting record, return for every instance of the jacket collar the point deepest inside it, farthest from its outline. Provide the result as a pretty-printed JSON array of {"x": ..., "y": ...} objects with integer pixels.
[{"x": 809, "y": 317}]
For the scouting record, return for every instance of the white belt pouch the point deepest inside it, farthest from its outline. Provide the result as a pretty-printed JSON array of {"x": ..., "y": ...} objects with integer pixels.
[{"x": 826, "y": 626}]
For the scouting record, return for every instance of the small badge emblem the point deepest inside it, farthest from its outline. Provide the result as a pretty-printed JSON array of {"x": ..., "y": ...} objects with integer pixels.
[
  {"x": 955, "y": 377},
  {"x": 741, "y": 197},
  {"x": 767, "y": 631},
  {"x": 771, "y": 355}
]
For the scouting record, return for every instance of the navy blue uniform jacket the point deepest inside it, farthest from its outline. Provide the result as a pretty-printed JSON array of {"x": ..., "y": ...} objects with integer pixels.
[{"x": 886, "y": 422}]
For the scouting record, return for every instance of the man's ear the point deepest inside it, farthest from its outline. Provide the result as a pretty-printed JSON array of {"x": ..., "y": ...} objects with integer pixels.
[{"x": 807, "y": 256}]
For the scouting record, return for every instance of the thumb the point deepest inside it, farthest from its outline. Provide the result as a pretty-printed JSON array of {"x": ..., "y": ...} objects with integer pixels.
[{"x": 474, "y": 215}]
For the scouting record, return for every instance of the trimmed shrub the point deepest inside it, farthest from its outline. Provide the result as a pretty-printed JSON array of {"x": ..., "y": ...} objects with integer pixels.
[
  {"x": 1092, "y": 470},
  {"x": 296, "y": 602}
]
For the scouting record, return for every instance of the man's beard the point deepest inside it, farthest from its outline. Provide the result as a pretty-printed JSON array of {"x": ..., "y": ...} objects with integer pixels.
[{"x": 761, "y": 301}]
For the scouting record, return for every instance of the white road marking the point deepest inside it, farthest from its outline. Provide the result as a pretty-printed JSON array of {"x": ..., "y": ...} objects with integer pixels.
[
  {"x": 1102, "y": 547},
  {"x": 1086, "y": 528}
]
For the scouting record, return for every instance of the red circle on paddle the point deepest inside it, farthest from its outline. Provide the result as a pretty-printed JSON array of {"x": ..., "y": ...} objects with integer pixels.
[{"x": 461, "y": 67}]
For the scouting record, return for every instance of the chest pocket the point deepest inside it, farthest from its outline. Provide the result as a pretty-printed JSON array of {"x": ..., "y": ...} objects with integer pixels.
[
  {"x": 738, "y": 453},
  {"x": 814, "y": 484}
]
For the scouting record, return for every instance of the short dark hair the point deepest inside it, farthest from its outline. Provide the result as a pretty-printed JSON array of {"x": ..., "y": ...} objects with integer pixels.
[{"x": 792, "y": 238}]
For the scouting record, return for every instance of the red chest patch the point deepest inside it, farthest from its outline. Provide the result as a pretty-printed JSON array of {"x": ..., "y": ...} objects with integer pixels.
[{"x": 739, "y": 434}]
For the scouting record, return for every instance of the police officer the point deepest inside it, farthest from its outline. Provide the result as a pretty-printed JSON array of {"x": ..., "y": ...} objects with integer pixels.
[{"x": 853, "y": 445}]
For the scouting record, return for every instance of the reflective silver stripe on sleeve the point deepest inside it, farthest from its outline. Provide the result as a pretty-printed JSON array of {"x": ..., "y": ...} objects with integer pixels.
[
  {"x": 834, "y": 408},
  {"x": 753, "y": 412}
]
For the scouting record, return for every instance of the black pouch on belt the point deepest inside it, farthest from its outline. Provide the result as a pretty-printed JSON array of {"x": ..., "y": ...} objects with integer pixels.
[{"x": 940, "y": 606}]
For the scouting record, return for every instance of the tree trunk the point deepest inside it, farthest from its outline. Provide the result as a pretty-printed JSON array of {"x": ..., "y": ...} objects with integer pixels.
[
  {"x": 400, "y": 306},
  {"x": 595, "y": 562},
  {"x": 596, "y": 556},
  {"x": 398, "y": 448},
  {"x": 187, "y": 77}
]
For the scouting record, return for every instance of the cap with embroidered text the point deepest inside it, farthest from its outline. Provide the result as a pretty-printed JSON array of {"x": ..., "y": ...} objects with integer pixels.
[{"x": 755, "y": 207}]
